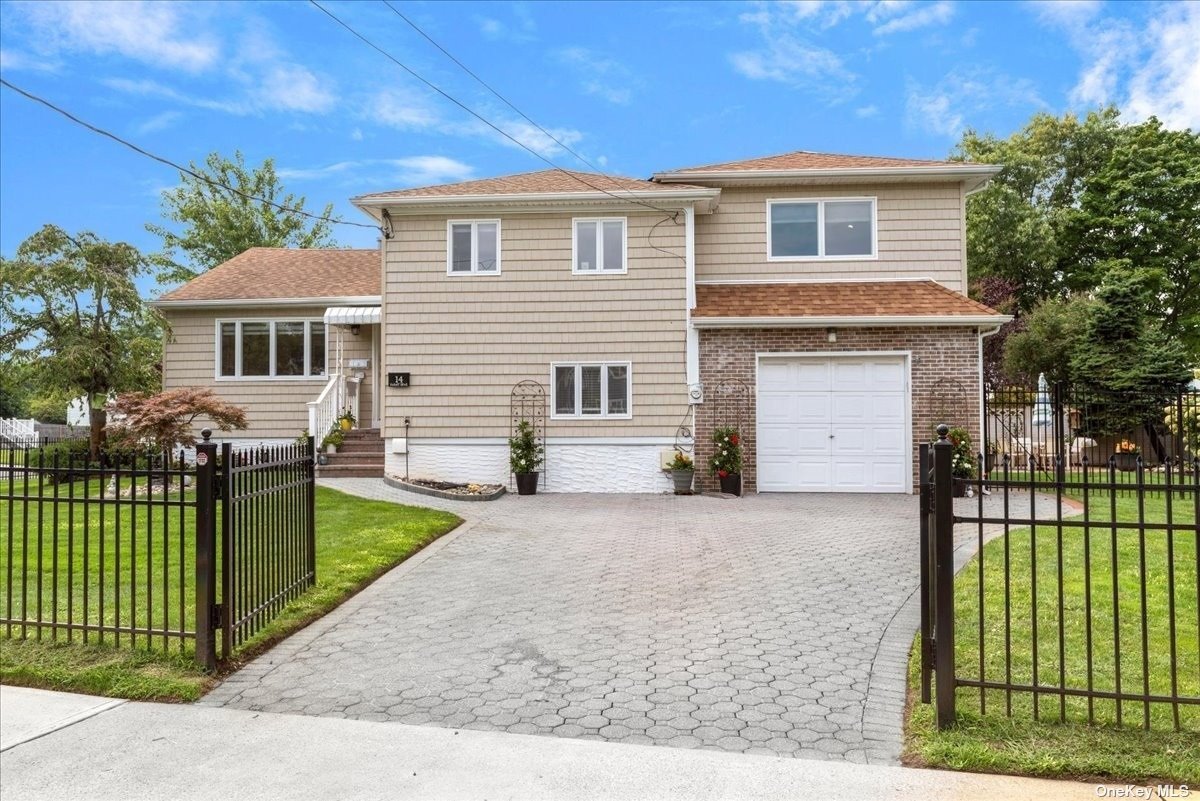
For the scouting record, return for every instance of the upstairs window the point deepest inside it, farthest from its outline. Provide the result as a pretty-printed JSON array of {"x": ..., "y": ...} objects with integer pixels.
[
  {"x": 842, "y": 228},
  {"x": 598, "y": 246},
  {"x": 270, "y": 348},
  {"x": 473, "y": 247},
  {"x": 592, "y": 390}
]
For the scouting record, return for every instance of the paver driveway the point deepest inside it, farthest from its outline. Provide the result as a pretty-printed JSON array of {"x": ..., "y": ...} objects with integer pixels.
[{"x": 748, "y": 625}]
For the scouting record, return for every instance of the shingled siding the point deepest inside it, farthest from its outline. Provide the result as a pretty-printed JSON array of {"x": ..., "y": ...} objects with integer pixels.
[
  {"x": 467, "y": 339},
  {"x": 275, "y": 407},
  {"x": 945, "y": 378},
  {"x": 921, "y": 235}
]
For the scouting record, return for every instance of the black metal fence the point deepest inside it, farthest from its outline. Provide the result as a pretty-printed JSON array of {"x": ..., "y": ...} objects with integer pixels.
[
  {"x": 1058, "y": 432},
  {"x": 97, "y": 552},
  {"x": 1083, "y": 602},
  {"x": 153, "y": 550}
]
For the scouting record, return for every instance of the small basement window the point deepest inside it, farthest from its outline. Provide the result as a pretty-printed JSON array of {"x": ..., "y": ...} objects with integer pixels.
[
  {"x": 592, "y": 390},
  {"x": 270, "y": 349},
  {"x": 598, "y": 246},
  {"x": 841, "y": 228},
  {"x": 473, "y": 247}
]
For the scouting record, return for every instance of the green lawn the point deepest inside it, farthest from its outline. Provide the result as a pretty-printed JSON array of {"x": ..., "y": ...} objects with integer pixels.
[
  {"x": 1061, "y": 742},
  {"x": 357, "y": 540}
]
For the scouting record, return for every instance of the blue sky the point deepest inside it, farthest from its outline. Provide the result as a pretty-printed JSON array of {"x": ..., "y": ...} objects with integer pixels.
[{"x": 634, "y": 87}]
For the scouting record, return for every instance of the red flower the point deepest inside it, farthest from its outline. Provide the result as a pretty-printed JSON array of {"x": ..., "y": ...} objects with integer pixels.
[
  {"x": 722, "y": 473},
  {"x": 733, "y": 439}
]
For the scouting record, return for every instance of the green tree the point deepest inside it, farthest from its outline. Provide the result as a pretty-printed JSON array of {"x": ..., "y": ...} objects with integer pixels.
[
  {"x": 1126, "y": 368},
  {"x": 216, "y": 224},
  {"x": 74, "y": 315},
  {"x": 1142, "y": 206},
  {"x": 1015, "y": 225},
  {"x": 1051, "y": 335}
]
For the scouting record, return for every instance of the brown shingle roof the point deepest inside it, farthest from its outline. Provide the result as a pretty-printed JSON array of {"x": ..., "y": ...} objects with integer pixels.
[
  {"x": 533, "y": 183},
  {"x": 266, "y": 273},
  {"x": 837, "y": 299},
  {"x": 807, "y": 160}
]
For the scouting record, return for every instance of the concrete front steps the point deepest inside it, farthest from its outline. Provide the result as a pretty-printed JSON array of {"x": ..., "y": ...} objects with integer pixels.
[{"x": 360, "y": 456}]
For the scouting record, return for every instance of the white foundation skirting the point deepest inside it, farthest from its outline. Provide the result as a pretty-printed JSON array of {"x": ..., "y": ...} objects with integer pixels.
[{"x": 569, "y": 467}]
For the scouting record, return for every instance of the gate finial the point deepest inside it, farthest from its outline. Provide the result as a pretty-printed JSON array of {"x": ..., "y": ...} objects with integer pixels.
[
  {"x": 206, "y": 433},
  {"x": 943, "y": 431}
]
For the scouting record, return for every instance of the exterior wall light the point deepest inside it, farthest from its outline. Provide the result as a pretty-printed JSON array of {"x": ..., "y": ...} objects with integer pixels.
[{"x": 831, "y": 334}]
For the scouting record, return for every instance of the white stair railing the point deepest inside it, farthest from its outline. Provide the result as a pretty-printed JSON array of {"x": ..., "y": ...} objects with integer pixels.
[
  {"x": 323, "y": 412},
  {"x": 14, "y": 431}
]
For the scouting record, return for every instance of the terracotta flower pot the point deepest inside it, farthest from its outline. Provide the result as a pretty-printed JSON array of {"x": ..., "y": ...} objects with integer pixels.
[
  {"x": 527, "y": 483},
  {"x": 731, "y": 484}
]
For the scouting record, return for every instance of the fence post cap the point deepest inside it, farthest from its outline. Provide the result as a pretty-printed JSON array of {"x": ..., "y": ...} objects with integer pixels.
[
  {"x": 206, "y": 433},
  {"x": 943, "y": 431}
]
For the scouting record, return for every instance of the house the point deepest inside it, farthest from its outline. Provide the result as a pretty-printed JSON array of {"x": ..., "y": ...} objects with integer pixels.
[{"x": 815, "y": 301}]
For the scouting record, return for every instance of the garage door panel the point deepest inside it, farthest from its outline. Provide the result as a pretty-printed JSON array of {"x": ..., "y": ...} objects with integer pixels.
[{"x": 833, "y": 424}]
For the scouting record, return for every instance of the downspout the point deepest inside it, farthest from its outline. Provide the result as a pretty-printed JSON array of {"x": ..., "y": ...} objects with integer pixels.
[
  {"x": 983, "y": 431},
  {"x": 692, "y": 341}
]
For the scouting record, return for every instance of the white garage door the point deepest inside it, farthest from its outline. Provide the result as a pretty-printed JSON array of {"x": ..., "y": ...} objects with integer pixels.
[{"x": 833, "y": 424}]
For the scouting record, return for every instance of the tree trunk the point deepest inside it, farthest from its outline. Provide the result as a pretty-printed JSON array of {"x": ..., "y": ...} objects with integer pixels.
[
  {"x": 1156, "y": 443},
  {"x": 97, "y": 421}
]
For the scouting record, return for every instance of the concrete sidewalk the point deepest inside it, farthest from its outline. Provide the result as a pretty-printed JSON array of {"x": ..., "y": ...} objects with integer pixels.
[{"x": 139, "y": 750}]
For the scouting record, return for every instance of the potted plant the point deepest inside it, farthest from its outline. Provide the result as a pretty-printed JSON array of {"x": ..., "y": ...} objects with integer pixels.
[
  {"x": 963, "y": 462},
  {"x": 1125, "y": 456},
  {"x": 682, "y": 471},
  {"x": 333, "y": 440},
  {"x": 347, "y": 420},
  {"x": 727, "y": 459},
  {"x": 524, "y": 458}
]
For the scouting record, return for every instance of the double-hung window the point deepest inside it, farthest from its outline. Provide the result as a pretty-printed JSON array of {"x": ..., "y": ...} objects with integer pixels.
[
  {"x": 835, "y": 228},
  {"x": 473, "y": 247},
  {"x": 592, "y": 389},
  {"x": 270, "y": 348},
  {"x": 598, "y": 246}
]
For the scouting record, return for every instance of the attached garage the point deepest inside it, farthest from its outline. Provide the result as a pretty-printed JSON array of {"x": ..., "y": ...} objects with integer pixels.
[{"x": 833, "y": 423}]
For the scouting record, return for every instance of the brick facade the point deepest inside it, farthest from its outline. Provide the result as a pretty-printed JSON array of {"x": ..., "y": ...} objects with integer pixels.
[{"x": 945, "y": 379}]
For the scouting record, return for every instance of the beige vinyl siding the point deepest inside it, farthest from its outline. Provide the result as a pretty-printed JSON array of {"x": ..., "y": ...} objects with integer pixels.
[
  {"x": 467, "y": 340},
  {"x": 275, "y": 407},
  {"x": 920, "y": 235}
]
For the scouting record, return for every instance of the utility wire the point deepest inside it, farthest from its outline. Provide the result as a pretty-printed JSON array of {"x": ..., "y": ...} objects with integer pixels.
[
  {"x": 483, "y": 119},
  {"x": 489, "y": 87},
  {"x": 198, "y": 176}
]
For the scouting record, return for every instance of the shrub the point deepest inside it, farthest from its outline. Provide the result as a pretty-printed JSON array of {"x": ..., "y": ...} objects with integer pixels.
[
  {"x": 681, "y": 462},
  {"x": 727, "y": 452},
  {"x": 525, "y": 455},
  {"x": 167, "y": 420}
]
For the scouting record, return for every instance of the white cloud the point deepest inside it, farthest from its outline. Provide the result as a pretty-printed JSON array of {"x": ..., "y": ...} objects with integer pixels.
[
  {"x": 159, "y": 122},
  {"x": 522, "y": 28},
  {"x": 408, "y": 171},
  {"x": 923, "y": 16},
  {"x": 1151, "y": 70},
  {"x": 964, "y": 94},
  {"x": 865, "y": 112},
  {"x": 603, "y": 77},
  {"x": 290, "y": 87},
  {"x": 1167, "y": 83},
  {"x": 789, "y": 58},
  {"x": 15, "y": 60},
  {"x": 403, "y": 109},
  {"x": 160, "y": 34},
  {"x": 149, "y": 88},
  {"x": 884, "y": 9},
  {"x": 357, "y": 135},
  {"x": 527, "y": 135}
]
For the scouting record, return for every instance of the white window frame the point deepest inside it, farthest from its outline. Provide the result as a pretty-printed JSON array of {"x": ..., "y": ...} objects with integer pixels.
[
  {"x": 604, "y": 414},
  {"x": 270, "y": 321},
  {"x": 821, "y": 201},
  {"x": 599, "y": 222},
  {"x": 474, "y": 247}
]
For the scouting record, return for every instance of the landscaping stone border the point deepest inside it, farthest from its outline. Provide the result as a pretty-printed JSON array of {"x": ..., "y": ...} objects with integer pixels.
[{"x": 400, "y": 483}]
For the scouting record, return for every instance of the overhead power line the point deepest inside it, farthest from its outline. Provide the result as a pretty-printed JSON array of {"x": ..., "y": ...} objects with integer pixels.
[
  {"x": 186, "y": 170},
  {"x": 481, "y": 118},
  {"x": 489, "y": 87}
]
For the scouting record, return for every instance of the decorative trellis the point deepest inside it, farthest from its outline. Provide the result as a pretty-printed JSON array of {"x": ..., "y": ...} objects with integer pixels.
[
  {"x": 527, "y": 401},
  {"x": 731, "y": 404}
]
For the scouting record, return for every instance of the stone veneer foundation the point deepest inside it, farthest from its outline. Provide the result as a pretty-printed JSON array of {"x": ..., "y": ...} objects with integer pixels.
[{"x": 945, "y": 379}]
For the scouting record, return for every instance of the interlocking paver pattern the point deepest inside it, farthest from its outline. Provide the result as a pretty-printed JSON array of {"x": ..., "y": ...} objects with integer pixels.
[{"x": 758, "y": 625}]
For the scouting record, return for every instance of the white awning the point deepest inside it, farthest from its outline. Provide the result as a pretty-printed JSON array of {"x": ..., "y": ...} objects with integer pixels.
[{"x": 352, "y": 315}]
